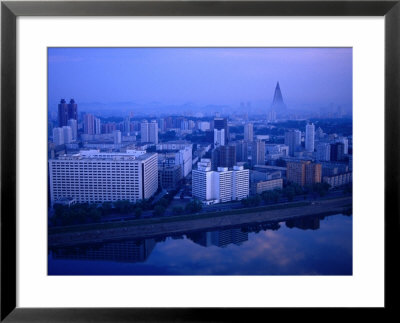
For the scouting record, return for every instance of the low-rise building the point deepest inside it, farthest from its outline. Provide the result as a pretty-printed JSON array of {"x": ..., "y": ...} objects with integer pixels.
[
  {"x": 339, "y": 180},
  {"x": 268, "y": 185}
]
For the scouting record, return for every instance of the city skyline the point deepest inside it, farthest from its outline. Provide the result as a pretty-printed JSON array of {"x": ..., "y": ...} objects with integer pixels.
[
  {"x": 165, "y": 172},
  {"x": 156, "y": 80}
]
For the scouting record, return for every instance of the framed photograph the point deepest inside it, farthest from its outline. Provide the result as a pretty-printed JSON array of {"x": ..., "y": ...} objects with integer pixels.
[{"x": 161, "y": 158}]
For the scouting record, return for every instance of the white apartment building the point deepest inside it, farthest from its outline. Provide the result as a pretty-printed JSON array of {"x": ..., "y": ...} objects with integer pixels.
[
  {"x": 67, "y": 131},
  {"x": 222, "y": 183},
  {"x": 74, "y": 126},
  {"x": 240, "y": 180},
  {"x": 202, "y": 180},
  {"x": 58, "y": 136},
  {"x": 310, "y": 137},
  {"x": 94, "y": 177},
  {"x": 149, "y": 131},
  {"x": 219, "y": 186}
]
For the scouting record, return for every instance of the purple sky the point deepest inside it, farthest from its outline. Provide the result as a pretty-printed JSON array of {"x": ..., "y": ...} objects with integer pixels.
[{"x": 309, "y": 77}]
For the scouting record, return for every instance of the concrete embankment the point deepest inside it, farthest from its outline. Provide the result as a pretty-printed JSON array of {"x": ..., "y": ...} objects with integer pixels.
[{"x": 142, "y": 231}]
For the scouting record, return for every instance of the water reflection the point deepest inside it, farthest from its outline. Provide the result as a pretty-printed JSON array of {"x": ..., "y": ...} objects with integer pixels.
[
  {"x": 121, "y": 251},
  {"x": 302, "y": 246}
]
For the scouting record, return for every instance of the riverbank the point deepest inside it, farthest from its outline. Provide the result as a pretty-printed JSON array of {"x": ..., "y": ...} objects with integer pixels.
[{"x": 142, "y": 229}]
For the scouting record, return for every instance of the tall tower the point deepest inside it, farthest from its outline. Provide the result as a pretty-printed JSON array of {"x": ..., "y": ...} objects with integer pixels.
[
  {"x": 62, "y": 113},
  {"x": 278, "y": 105},
  {"x": 222, "y": 124},
  {"x": 248, "y": 132},
  {"x": 72, "y": 110},
  {"x": 88, "y": 124},
  {"x": 258, "y": 153},
  {"x": 310, "y": 137},
  {"x": 67, "y": 112},
  {"x": 293, "y": 140}
]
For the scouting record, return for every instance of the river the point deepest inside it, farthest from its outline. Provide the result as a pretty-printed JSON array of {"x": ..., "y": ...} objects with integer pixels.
[{"x": 310, "y": 245}]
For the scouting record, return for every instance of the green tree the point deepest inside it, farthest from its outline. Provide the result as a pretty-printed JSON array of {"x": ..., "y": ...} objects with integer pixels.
[
  {"x": 194, "y": 206},
  {"x": 138, "y": 212},
  {"x": 178, "y": 210},
  {"x": 106, "y": 208}
]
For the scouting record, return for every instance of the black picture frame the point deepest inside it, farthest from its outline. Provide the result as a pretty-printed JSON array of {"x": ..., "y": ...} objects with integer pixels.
[{"x": 10, "y": 10}]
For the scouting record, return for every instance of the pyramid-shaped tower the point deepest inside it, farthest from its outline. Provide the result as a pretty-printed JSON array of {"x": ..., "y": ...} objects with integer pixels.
[{"x": 277, "y": 104}]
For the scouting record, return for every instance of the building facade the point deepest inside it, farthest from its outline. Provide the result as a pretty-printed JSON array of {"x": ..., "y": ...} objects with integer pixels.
[
  {"x": 94, "y": 177},
  {"x": 310, "y": 137},
  {"x": 268, "y": 185},
  {"x": 323, "y": 151},
  {"x": 149, "y": 131},
  {"x": 293, "y": 141},
  {"x": 248, "y": 132},
  {"x": 303, "y": 172},
  {"x": 67, "y": 112},
  {"x": 219, "y": 186},
  {"x": 258, "y": 153}
]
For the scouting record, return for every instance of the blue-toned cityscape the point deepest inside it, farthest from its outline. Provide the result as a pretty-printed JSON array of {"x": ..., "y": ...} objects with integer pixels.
[{"x": 200, "y": 161}]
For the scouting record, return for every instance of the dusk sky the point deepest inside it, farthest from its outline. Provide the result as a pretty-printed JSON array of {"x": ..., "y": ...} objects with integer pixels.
[{"x": 309, "y": 77}]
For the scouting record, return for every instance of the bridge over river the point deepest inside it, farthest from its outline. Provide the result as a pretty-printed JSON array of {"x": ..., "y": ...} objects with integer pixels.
[{"x": 180, "y": 225}]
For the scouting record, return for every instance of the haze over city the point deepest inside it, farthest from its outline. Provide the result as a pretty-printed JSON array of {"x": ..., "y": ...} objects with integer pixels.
[
  {"x": 115, "y": 81},
  {"x": 200, "y": 161}
]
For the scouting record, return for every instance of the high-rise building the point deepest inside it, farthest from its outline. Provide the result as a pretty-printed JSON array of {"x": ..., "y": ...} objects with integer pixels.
[
  {"x": 219, "y": 137},
  {"x": 74, "y": 127},
  {"x": 223, "y": 156},
  {"x": 303, "y": 172},
  {"x": 72, "y": 110},
  {"x": 202, "y": 187},
  {"x": 181, "y": 156},
  {"x": 67, "y": 132},
  {"x": 97, "y": 126},
  {"x": 345, "y": 142},
  {"x": 323, "y": 151},
  {"x": 149, "y": 131},
  {"x": 293, "y": 141},
  {"x": 248, "y": 132},
  {"x": 94, "y": 177},
  {"x": 271, "y": 116},
  {"x": 258, "y": 153},
  {"x": 88, "y": 124},
  {"x": 219, "y": 186},
  {"x": 62, "y": 113},
  {"x": 144, "y": 131},
  {"x": 127, "y": 125},
  {"x": 222, "y": 124},
  {"x": 240, "y": 182},
  {"x": 310, "y": 137},
  {"x": 58, "y": 136},
  {"x": 241, "y": 151},
  {"x": 169, "y": 176},
  {"x": 337, "y": 151},
  {"x": 117, "y": 137},
  {"x": 313, "y": 173}
]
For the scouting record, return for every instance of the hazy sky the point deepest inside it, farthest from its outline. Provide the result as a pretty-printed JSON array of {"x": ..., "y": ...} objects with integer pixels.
[{"x": 308, "y": 76}]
